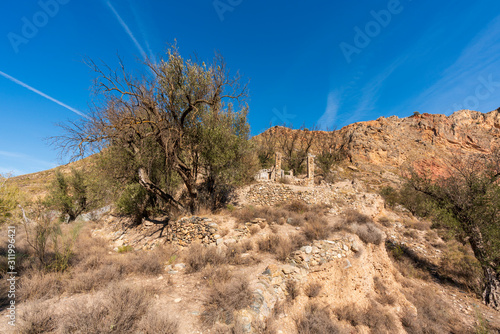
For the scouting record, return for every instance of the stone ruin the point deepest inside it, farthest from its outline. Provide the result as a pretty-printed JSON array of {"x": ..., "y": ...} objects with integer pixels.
[{"x": 276, "y": 173}]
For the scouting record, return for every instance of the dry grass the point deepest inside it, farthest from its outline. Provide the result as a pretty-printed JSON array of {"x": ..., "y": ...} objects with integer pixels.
[
  {"x": 313, "y": 289},
  {"x": 36, "y": 318},
  {"x": 199, "y": 256},
  {"x": 361, "y": 225},
  {"x": 280, "y": 246},
  {"x": 254, "y": 229},
  {"x": 316, "y": 319},
  {"x": 375, "y": 317},
  {"x": 223, "y": 273},
  {"x": 433, "y": 314},
  {"x": 384, "y": 295},
  {"x": 385, "y": 221},
  {"x": 119, "y": 311},
  {"x": 412, "y": 234},
  {"x": 225, "y": 298},
  {"x": 317, "y": 228},
  {"x": 292, "y": 290},
  {"x": 35, "y": 285},
  {"x": 417, "y": 224},
  {"x": 93, "y": 280},
  {"x": 459, "y": 264},
  {"x": 157, "y": 321},
  {"x": 404, "y": 263}
]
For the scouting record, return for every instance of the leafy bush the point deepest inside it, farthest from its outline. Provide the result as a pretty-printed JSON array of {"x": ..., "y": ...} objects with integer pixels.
[
  {"x": 51, "y": 244},
  {"x": 134, "y": 202},
  {"x": 69, "y": 194}
]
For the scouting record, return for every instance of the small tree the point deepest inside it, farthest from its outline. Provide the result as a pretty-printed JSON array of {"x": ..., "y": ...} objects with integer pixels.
[
  {"x": 332, "y": 148},
  {"x": 469, "y": 198},
  {"x": 68, "y": 194},
  {"x": 166, "y": 110}
]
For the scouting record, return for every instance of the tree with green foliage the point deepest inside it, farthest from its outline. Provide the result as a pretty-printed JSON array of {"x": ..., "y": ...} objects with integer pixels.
[
  {"x": 166, "y": 111},
  {"x": 468, "y": 199},
  {"x": 69, "y": 194},
  {"x": 332, "y": 148}
]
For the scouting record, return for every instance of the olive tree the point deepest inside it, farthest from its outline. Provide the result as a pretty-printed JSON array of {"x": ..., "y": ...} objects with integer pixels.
[
  {"x": 167, "y": 110},
  {"x": 469, "y": 198}
]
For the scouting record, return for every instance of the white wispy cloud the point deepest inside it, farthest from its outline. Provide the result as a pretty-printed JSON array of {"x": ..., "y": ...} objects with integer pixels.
[
  {"x": 127, "y": 30},
  {"x": 9, "y": 171},
  {"x": 21, "y": 157},
  {"x": 36, "y": 91},
  {"x": 478, "y": 60},
  {"x": 327, "y": 120}
]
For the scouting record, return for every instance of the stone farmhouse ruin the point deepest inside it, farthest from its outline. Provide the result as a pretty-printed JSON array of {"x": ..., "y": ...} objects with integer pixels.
[{"x": 276, "y": 173}]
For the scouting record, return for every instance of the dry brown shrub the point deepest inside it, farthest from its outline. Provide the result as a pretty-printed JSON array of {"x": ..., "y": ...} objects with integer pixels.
[
  {"x": 297, "y": 206},
  {"x": 143, "y": 262},
  {"x": 37, "y": 285},
  {"x": 157, "y": 321},
  {"x": 375, "y": 317},
  {"x": 316, "y": 319},
  {"x": 411, "y": 234},
  {"x": 199, "y": 256},
  {"x": 417, "y": 224},
  {"x": 292, "y": 290},
  {"x": 384, "y": 296},
  {"x": 361, "y": 225},
  {"x": 313, "y": 289},
  {"x": 247, "y": 245},
  {"x": 317, "y": 229},
  {"x": 222, "y": 273},
  {"x": 385, "y": 221},
  {"x": 37, "y": 318},
  {"x": 352, "y": 216},
  {"x": 225, "y": 298},
  {"x": 254, "y": 229},
  {"x": 277, "y": 245},
  {"x": 460, "y": 265},
  {"x": 433, "y": 313},
  {"x": 93, "y": 280},
  {"x": 119, "y": 311}
]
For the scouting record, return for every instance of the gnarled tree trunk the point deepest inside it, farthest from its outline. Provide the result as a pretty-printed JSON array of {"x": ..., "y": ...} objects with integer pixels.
[{"x": 491, "y": 293}]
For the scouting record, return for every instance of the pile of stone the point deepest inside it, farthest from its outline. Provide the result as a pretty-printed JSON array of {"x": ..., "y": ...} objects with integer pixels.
[
  {"x": 322, "y": 251},
  {"x": 192, "y": 229}
]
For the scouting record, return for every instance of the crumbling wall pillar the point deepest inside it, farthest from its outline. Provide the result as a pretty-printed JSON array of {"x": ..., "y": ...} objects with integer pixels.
[
  {"x": 310, "y": 166},
  {"x": 277, "y": 165}
]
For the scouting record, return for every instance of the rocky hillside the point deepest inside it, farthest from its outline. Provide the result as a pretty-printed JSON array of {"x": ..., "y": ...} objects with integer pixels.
[{"x": 392, "y": 142}]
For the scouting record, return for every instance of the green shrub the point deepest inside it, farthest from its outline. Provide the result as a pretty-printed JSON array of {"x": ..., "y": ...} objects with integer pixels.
[
  {"x": 133, "y": 202},
  {"x": 69, "y": 194},
  {"x": 8, "y": 199},
  {"x": 125, "y": 249}
]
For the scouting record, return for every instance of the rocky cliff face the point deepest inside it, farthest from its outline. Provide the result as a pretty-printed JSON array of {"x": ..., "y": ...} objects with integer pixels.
[
  {"x": 423, "y": 139},
  {"x": 395, "y": 141}
]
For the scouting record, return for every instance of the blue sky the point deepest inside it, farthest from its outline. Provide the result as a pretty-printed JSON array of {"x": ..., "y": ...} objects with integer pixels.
[{"x": 324, "y": 63}]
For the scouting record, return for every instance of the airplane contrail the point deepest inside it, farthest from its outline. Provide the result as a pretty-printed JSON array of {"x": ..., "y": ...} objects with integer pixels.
[
  {"x": 20, "y": 83},
  {"x": 127, "y": 30}
]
